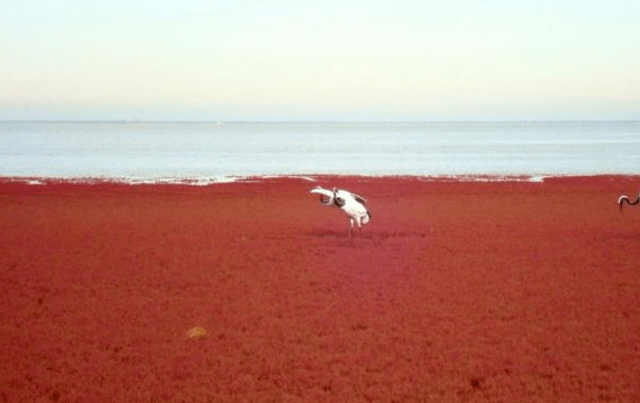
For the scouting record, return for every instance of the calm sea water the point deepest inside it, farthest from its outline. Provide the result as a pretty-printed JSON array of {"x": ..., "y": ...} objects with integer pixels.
[{"x": 209, "y": 152}]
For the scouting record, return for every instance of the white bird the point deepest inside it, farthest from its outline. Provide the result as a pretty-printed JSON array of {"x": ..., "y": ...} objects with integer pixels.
[
  {"x": 625, "y": 198},
  {"x": 350, "y": 203}
]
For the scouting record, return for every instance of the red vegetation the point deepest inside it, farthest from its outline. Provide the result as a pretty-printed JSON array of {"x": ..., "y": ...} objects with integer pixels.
[{"x": 456, "y": 291}]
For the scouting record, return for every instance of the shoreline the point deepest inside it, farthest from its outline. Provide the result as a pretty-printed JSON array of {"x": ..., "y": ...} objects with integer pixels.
[{"x": 206, "y": 181}]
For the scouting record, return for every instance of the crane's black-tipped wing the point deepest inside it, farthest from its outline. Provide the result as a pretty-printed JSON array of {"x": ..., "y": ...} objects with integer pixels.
[
  {"x": 356, "y": 197},
  {"x": 359, "y": 199}
]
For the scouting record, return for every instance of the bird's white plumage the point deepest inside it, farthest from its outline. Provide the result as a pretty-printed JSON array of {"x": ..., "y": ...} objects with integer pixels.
[{"x": 351, "y": 204}]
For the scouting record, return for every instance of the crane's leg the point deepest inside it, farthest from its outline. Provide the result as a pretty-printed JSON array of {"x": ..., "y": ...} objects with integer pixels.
[{"x": 351, "y": 230}]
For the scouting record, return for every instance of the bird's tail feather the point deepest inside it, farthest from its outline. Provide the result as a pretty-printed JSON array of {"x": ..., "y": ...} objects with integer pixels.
[{"x": 366, "y": 218}]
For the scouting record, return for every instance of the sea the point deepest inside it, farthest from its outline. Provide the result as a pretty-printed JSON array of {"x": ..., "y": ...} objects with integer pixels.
[{"x": 202, "y": 153}]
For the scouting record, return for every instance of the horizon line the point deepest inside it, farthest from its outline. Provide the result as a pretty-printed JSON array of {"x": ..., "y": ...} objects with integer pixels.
[{"x": 320, "y": 121}]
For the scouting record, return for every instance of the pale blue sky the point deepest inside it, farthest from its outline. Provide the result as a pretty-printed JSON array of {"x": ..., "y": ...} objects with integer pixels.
[{"x": 323, "y": 60}]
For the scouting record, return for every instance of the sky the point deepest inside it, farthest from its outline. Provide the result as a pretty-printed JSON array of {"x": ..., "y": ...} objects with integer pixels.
[{"x": 327, "y": 60}]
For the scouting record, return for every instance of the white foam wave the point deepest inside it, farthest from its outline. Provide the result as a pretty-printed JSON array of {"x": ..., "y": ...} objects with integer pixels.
[
  {"x": 189, "y": 181},
  {"x": 206, "y": 181}
]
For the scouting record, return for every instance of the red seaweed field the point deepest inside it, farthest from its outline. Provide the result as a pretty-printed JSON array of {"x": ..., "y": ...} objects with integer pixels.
[{"x": 252, "y": 291}]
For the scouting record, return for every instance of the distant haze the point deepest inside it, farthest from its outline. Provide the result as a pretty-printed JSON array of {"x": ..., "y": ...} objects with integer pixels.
[{"x": 326, "y": 60}]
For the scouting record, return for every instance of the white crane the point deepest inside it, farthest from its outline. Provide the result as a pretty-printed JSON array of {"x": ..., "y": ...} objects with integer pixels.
[
  {"x": 351, "y": 204},
  {"x": 625, "y": 198}
]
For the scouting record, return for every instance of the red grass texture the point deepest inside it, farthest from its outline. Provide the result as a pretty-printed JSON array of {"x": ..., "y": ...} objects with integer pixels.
[{"x": 253, "y": 292}]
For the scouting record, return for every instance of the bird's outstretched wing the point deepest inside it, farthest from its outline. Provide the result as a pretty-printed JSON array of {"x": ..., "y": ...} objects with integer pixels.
[
  {"x": 322, "y": 191},
  {"x": 345, "y": 193},
  {"x": 358, "y": 198},
  {"x": 326, "y": 196}
]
